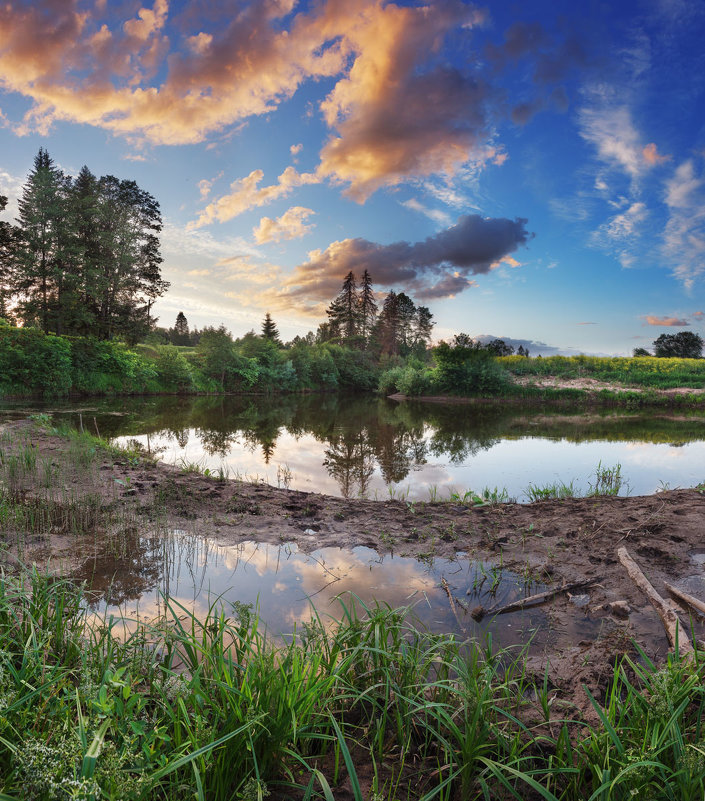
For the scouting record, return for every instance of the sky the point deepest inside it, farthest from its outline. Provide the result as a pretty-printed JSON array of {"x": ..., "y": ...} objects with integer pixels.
[{"x": 532, "y": 171}]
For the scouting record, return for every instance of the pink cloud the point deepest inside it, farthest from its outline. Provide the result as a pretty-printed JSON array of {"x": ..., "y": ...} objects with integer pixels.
[{"x": 666, "y": 322}]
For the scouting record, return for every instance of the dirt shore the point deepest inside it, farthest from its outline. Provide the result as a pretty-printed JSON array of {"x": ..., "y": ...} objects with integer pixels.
[{"x": 554, "y": 541}]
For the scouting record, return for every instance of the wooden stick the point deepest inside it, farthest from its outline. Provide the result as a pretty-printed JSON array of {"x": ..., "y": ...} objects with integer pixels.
[
  {"x": 453, "y": 608},
  {"x": 688, "y": 599},
  {"x": 671, "y": 622},
  {"x": 539, "y": 597}
]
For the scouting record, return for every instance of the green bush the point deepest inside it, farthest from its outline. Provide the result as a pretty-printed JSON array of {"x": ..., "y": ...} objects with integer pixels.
[
  {"x": 33, "y": 363},
  {"x": 173, "y": 371},
  {"x": 467, "y": 370}
]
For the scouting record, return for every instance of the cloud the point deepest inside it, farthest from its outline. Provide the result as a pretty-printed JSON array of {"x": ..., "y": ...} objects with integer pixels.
[
  {"x": 398, "y": 114},
  {"x": 698, "y": 315},
  {"x": 436, "y": 215},
  {"x": 652, "y": 156},
  {"x": 291, "y": 225},
  {"x": 666, "y": 322},
  {"x": 296, "y": 149},
  {"x": 247, "y": 194},
  {"x": 622, "y": 226},
  {"x": 439, "y": 266},
  {"x": 586, "y": 323},
  {"x": 611, "y": 131},
  {"x": 684, "y": 235}
]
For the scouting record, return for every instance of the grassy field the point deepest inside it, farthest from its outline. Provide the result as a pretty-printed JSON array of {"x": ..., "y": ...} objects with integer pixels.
[{"x": 638, "y": 372}]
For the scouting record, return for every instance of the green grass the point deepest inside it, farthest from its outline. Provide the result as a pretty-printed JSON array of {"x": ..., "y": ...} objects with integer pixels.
[
  {"x": 644, "y": 371},
  {"x": 209, "y": 709}
]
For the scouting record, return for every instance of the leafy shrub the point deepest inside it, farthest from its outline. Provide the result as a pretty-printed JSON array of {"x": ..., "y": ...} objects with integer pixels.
[{"x": 468, "y": 370}]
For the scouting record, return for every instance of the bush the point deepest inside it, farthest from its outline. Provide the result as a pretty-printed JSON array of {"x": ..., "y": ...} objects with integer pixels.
[
  {"x": 173, "y": 371},
  {"x": 467, "y": 370}
]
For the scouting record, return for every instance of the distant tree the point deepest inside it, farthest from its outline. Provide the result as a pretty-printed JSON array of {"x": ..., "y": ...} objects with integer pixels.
[
  {"x": 406, "y": 315},
  {"x": 499, "y": 347},
  {"x": 684, "y": 345},
  {"x": 269, "y": 329},
  {"x": 180, "y": 334},
  {"x": 522, "y": 351},
  {"x": 640, "y": 352}
]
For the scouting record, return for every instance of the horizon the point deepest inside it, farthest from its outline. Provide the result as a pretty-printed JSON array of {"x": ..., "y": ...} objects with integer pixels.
[{"x": 532, "y": 174}]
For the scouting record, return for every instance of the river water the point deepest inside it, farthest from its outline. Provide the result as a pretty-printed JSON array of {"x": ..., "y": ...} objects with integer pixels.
[{"x": 360, "y": 446}]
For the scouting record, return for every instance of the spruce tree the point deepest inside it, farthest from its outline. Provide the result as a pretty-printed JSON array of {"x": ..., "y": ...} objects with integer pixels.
[
  {"x": 269, "y": 329},
  {"x": 40, "y": 212},
  {"x": 182, "y": 335}
]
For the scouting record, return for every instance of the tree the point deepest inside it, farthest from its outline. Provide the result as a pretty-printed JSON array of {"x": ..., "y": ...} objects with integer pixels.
[
  {"x": 9, "y": 240},
  {"x": 640, "y": 352},
  {"x": 344, "y": 311},
  {"x": 683, "y": 345},
  {"x": 368, "y": 307},
  {"x": 181, "y": 334},
  {"x": 269, "y": 329},
  {"x": 88, "y": 260},
  {"x": 522, "y": 351},
  {"x": 423, "y": 327},
  {"x": 387, "y": 328},
  {"x": 38, "y": 255},
  {"x": 499, "y": 347}
]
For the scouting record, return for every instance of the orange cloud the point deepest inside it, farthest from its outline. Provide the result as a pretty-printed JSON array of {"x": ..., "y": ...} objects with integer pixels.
[
  {"x": 652, "y": 156},
  {"x": 666, "y": 322},
  {"x": 291, "y": 225},
  {"x": 394, "y": 114}
]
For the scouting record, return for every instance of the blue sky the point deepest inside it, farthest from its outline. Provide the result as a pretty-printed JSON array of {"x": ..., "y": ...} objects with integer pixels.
[{"x": 534, "y": 171}]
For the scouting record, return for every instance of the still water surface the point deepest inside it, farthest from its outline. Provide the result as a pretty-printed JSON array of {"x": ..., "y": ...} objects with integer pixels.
[{"x": 363, "y": 446}]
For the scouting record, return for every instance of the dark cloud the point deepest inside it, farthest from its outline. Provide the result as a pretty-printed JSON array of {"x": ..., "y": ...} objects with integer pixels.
[{"x": 439, "y": 266}]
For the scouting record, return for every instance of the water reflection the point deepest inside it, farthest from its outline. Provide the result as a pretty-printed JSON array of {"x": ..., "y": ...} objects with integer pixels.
[
  {"x": 289, "y": 586},
  {"x": 364, "y": 446}
]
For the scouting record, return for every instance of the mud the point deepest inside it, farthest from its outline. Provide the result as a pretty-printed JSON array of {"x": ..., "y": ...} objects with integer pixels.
[{"x": 549, "y": 541}]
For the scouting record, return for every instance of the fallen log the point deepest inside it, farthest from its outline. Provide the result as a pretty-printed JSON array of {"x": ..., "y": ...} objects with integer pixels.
[
  {"x": 674, "y": 628},
  {"x": 691, "y": 600},
  {"x": 479, "y": 612}
]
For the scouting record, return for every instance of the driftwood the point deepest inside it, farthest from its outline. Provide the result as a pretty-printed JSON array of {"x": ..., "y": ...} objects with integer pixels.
[
  {"x": 479, "y": 612},
  {"x": 693, "y": 602},
  {"x": 666, "y": 611},
  {"x": 453, "y": 607}
]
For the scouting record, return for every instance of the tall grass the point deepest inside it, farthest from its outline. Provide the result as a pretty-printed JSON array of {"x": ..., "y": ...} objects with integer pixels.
[{"x": 210, "y": 709}]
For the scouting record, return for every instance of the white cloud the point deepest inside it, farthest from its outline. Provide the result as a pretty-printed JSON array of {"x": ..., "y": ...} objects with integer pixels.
[
  {"x": 291, "y": 225},
  {"x": 684, "y": 235}
]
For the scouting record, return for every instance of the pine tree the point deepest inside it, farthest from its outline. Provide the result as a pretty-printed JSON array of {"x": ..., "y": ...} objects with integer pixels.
[
  {"x": 344, "y": 311},
  {"x": 9, "y": 239},
  {"x": 269, "y": 329},
  {"x": 368, "y": 307}
]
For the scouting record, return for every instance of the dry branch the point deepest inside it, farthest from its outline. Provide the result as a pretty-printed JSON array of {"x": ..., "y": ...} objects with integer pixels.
[
  {"x": 478, "y": 613},
  {"x": 453, "y": 607},
  {"x": 699, "y": 606},
  {"x": 674, "y": 628}
]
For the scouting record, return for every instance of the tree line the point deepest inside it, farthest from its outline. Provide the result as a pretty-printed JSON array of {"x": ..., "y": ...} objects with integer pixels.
[{"x": 84, "y": 258}]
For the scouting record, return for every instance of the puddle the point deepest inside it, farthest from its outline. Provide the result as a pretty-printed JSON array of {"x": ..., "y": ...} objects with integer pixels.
[
  {"x": 698, "y": 558},
  {"x": 286, "y": 583}
]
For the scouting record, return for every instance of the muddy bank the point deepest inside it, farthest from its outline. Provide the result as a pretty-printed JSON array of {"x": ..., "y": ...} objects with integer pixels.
[{"x": 551, "y": 542}]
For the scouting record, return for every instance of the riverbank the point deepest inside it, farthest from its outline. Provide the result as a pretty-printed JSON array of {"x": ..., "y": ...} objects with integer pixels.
[
  {"x": 77, "y": 478},
  {"x": 65, "y": 495}
]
